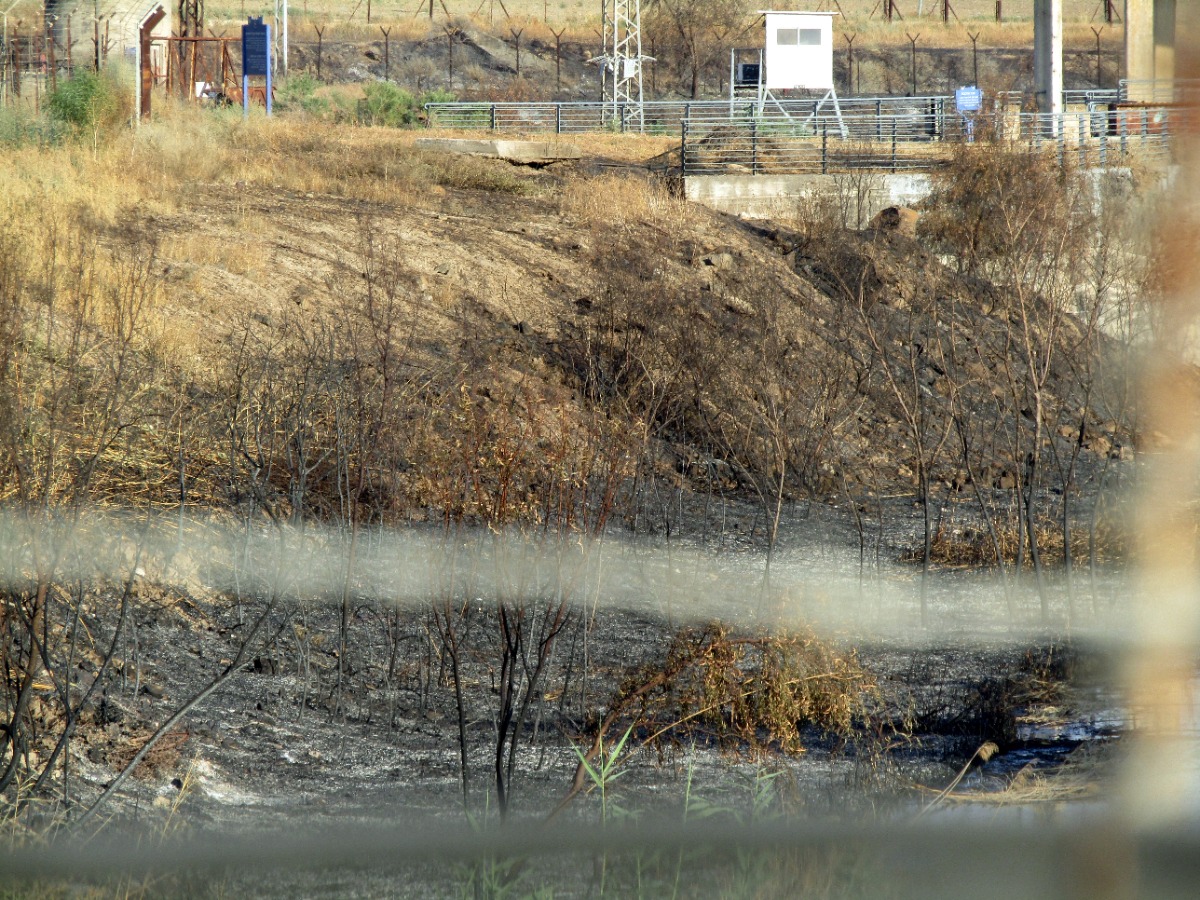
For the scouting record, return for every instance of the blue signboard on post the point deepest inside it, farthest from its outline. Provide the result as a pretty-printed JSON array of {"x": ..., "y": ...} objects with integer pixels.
[
  {"x": 256, "y": 58},
  {"x": 256, "y": 47},
  {"x": 968, "y": 100}
]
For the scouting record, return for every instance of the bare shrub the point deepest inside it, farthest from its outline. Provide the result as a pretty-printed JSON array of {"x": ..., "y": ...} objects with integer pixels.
[{"x": 745, "y": 692}]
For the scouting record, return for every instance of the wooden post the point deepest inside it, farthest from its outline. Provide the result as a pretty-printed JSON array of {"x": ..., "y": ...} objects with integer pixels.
[
  {"x": 387, "y": 55},
  {"x": 320, "y": 38},
  {"x": 516, "y": 33},
  {"x": 913, "y": 39},
  {"x": 51, "y": 60},
  {"x": 558, "y": 59},
  {"x": 850, "y": 62}
]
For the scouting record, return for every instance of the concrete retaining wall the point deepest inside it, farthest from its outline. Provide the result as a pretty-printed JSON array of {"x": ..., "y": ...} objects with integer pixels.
[{"x": 763, "y": 196}]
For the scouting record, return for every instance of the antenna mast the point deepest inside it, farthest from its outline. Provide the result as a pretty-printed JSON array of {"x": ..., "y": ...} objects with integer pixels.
[{"x": 621, "y": 64}]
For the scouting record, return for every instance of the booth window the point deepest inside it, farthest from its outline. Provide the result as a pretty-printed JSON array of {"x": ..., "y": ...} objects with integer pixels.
[{"x": 798, "y": 37}]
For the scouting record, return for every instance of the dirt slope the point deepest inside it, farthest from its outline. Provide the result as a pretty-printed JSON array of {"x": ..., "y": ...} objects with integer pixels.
[{"x": 729, "y": 353}]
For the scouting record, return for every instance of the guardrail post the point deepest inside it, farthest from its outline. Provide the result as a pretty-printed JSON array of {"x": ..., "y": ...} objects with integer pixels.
[
  {"x": 683, "y": 150},
  {"x": 493, "y": 118},
  {"x": 558, "y": 118},
  {"x": 753, "y": 146},
  {"x": 1082, "y": 137},
  {"x": 824, "y": 148}
]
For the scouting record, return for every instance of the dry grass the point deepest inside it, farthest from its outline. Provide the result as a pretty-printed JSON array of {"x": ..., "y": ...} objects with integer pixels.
[
  {"x": 624, "y": 202},
  {"x": 970, "y": 548},
  {"x": 414, "y": 16},
  {"x": 94, "y": 207},
  {"x": 539, "y": 19}
]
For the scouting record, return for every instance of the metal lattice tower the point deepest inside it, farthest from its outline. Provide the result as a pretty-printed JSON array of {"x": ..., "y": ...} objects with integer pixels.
[
  {"x": 191, "y": 18},
  {"x": 622, "y": 61}
]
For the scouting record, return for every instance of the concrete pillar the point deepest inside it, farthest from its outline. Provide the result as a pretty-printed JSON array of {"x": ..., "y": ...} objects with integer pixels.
[
  {"x": 1164, "y": 41},
  {"x": 1150, "y": 30},
  {"x": 1047, "y": 55}
]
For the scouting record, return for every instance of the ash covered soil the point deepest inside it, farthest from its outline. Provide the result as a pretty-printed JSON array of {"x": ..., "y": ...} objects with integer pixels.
[{"x": 286, "y": 743}]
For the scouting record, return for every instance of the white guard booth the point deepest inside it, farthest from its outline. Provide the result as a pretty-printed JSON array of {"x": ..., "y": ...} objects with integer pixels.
[
  {"x": 799, "y": 51},
  {"x": 798, "y": 56}
]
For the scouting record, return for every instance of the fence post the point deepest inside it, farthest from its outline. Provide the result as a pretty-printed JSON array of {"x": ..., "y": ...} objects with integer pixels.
[
  {"x": 683, "y": 150},
  {"x": 1104, "y": 146},
  {"x": 621, "y": 113},
  {"x": 754, "y": 146},
  {"x": 1083, "y": 136},
  {"x": 824, "y": 148},
  {"x": 493, "y": 117},
  {"x": 894, "y": 161},
  {"x": 879, "y": 121},
  {"x": 558, "y": 118}
]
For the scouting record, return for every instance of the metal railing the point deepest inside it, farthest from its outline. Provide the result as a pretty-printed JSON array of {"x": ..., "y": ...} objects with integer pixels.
[
  {"x": 1180, "y": 90},
  {"x": 665, "y": 117},
  {"x": 906, "y": 143},
  {"x": 1090, "y": 97}
]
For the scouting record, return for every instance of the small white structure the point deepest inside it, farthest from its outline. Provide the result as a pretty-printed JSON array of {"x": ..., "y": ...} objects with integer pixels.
[
  {"x": 799, "y": 51},
  {"x": 797, "y": 55}
]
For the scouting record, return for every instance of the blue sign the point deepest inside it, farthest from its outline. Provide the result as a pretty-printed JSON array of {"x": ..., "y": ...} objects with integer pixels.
[
  {"x": 256, "y": 47},
  {"x": 968, "y": 99}
]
